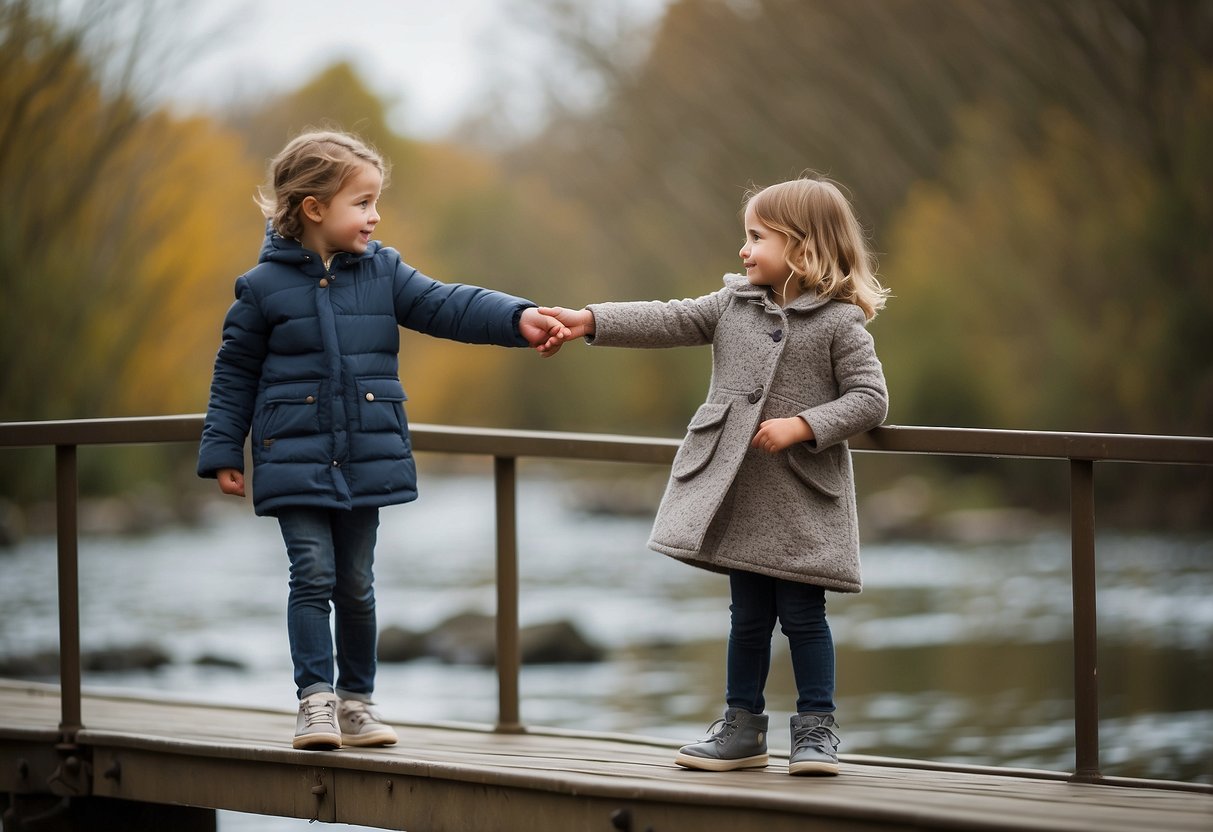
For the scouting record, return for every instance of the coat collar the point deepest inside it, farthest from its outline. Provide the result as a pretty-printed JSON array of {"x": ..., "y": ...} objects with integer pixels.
[{"x": 742, "y": 288}]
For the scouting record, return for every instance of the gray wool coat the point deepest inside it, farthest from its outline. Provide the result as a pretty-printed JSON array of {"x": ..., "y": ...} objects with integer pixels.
[{"x": 728, "y": 506}]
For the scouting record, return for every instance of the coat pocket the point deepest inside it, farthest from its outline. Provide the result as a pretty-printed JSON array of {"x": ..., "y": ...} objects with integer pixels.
[
  {"x": 819, "y": 471},
  {"x": 290, "y": 410},
  {"x": 381, "y": 404},
  {"x": 703, "y": 435}
]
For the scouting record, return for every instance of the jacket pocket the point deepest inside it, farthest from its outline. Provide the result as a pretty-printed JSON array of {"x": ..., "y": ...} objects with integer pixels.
[
  {"x": 381, "y": 404},
  {"x": 290, "y": 409},
  {"x": 703, "y": 435},
  {"x": 819, "y": 471}
]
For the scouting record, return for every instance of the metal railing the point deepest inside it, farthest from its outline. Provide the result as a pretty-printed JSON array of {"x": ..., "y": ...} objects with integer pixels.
[{"x": 1081, "y": 450}]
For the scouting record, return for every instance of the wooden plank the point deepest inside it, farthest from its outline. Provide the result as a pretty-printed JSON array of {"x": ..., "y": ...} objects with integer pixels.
[{"x": 469, "y": 778}]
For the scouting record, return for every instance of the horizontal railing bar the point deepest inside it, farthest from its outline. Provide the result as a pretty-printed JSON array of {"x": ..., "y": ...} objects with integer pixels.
[
  {"x": 137, "y": 430},
  {"x": 1117, "y": 447},
  {"x": 1110, "y": 447}
]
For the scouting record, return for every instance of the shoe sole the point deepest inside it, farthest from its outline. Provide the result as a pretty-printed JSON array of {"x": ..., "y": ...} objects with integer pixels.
[
  {"x": 317, "y": 742},
  {"x": 813, "y": 768},
  {"x": 378, "y": 738},
  {"x": 710, "y": 764}
]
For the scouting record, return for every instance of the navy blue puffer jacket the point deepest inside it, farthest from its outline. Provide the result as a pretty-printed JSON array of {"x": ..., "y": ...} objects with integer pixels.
[{"x": 309, "y": 366}]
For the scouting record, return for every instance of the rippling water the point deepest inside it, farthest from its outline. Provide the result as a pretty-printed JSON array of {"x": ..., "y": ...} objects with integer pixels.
[{"x": 956, "y": 653}]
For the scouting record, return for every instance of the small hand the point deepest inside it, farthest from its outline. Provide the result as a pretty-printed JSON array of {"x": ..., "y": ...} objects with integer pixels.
[
  {"x": 580, "y": 322},
  {"x": 774, "y": 435},
  {"x": 231, "y": 481},
  {"x": 543, "y": 332}
]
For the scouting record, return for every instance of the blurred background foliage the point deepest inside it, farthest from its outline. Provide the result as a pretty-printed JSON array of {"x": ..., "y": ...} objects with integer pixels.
[{"x": 1036, "y": 177}]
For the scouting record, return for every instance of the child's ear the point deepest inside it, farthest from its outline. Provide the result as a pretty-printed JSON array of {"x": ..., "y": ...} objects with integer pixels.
[{"x": 312, "y": 209}]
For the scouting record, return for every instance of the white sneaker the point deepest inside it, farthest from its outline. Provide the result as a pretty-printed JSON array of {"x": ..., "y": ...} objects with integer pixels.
[
  {"x": 360, "y": 725},
  {"x": 316, "y": 726}
]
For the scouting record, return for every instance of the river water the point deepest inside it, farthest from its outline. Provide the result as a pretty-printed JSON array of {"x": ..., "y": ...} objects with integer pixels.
[{"x": 953, "y": 652}]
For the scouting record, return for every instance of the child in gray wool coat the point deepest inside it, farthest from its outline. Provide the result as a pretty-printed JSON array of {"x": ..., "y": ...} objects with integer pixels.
[{"x": 762, "y": 488}]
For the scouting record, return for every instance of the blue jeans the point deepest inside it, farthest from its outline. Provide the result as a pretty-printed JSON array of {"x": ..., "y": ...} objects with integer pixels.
[
  {"x": 331, "y": 554},
  {"x": 758, "y": 600}
]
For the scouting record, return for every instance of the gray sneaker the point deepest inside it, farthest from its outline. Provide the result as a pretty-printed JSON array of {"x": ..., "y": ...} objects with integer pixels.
[
  {"x": 316, "y": 726},
  {"x": 814, "y": 745},
  {"x": 739, "y": 740},
  {"x": 360, "y": 725}
]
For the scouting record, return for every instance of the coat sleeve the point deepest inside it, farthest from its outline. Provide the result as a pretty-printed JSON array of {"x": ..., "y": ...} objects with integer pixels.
[
  {"x": 863, "y": 400},
  {"x": 655, "y": 324},
  {"x": 455, "y": 310},
  {"x": 237, "y": 374}
]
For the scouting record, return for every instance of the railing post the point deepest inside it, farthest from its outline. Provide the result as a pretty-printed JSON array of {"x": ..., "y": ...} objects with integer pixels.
[
  {"x": 66, "y": 490},
  {"x": 1086, "y": 681},
  {"x": 508, "y": 654}
]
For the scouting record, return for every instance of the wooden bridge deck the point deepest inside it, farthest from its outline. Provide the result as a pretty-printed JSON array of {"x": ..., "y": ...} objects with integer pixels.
[{"x": 468, "y": 778}]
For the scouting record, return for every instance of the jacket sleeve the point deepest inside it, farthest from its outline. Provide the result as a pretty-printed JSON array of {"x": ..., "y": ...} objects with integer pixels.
[
  {"x": 455, "y": 310},
  {"x": 863, "y": 400},
  {"x": 654, "y": 324},
  {"x": 229, "y": 412}
]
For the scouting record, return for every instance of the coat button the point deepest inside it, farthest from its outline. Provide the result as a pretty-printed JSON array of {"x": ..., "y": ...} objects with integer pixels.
[
  {"x": 777, "y": 336},
  {"x": 323, "y": 282},
  {"x": 336, "y": 464},
  {"x": 370, "y": 397},
  {"x": 755, "y": 395},
  {"x": 310, "y": 400}
]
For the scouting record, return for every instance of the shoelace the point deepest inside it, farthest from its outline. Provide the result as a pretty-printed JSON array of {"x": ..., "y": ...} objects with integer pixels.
[
  {"x": 816, "y": 736},
  {"x": 315, "y": 713},
  {"x": 715, "y": 735},
  {"x": 358, "y": 713}
]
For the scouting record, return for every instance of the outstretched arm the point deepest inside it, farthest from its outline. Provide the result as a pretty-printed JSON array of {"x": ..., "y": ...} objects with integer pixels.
[{"x": 647, "y": 324}]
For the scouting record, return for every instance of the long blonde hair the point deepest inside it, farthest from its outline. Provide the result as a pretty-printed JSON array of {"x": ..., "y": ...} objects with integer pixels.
[
  {"x": 314, "y": 163},
  {"x": 826, "y": 250}
]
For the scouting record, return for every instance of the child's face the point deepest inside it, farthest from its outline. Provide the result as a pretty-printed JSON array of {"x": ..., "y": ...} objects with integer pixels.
[
  {"x": 762, "y": 253},
  {"x": 348, "y": 220}
]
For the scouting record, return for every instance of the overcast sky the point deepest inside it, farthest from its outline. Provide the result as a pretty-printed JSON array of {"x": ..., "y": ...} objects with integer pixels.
[{"x": 430, "y": 58}]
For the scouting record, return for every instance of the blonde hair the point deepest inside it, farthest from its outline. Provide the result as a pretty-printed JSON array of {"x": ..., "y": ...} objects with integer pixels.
[
  {"x": 315, "y": 163},
  {"x": 826, "y": 248}
]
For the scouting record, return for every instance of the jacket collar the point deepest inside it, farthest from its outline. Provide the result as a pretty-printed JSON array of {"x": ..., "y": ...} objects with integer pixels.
[
  {"x": 279, "y": 249},
  {"x": 742, "y": 288}
]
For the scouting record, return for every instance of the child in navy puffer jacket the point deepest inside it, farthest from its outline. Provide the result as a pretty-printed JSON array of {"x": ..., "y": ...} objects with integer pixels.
[{"x": 309, "y": 366}]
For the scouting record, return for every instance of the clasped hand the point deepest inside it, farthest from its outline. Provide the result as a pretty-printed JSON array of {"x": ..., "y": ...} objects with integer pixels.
[
  {"x": 542, "y": 331},
  {"x": 555, "y": 325}
]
